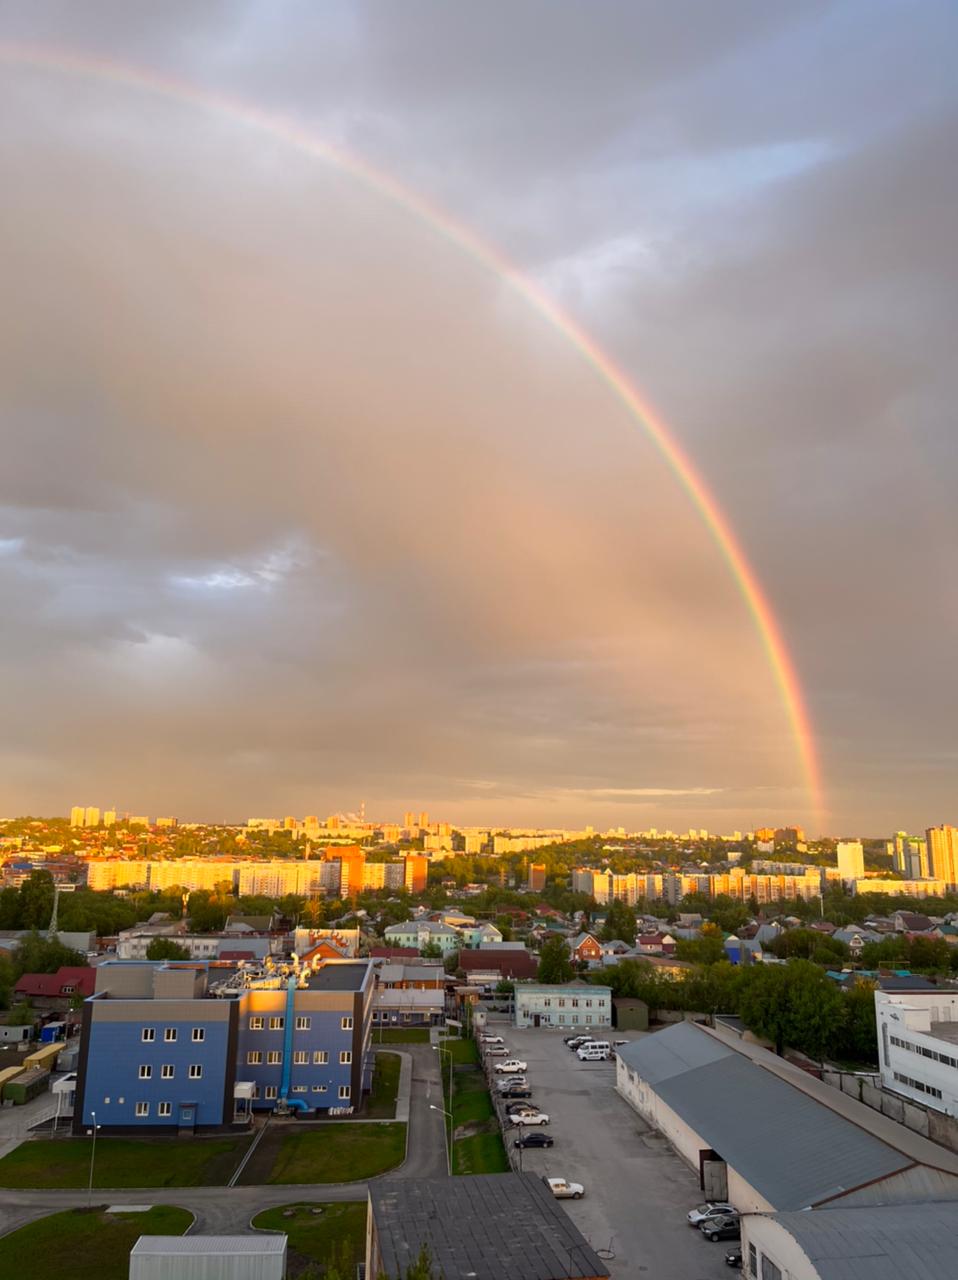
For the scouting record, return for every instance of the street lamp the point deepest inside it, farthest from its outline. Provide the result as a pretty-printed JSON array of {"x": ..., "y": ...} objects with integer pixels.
[
  {"x": 448, "y": 1115},
  {"x": 89, "y": 1191},
  {"x": 448, "y": 1052}
]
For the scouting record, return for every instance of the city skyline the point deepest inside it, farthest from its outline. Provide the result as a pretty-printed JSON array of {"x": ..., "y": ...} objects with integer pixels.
[{"x": 563, "y": 436}]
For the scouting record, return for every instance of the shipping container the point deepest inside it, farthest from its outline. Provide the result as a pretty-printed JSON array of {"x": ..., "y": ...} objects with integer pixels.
[
  {"x": 209, "y": 1257},
  {"x": 26, "y": 1086},
  {"x": 45, "y": 1057}
]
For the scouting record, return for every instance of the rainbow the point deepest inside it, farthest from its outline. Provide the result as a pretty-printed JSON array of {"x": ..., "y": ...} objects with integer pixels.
[{"x": 145, "y": 80}]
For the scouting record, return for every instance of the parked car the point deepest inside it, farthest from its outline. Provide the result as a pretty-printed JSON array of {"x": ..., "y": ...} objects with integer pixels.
[
  {"x": 733, "y": 1257},
  {"x": 512, "y": 1066},
  {"x": 593, "y": 1051},
  {"x": 521, "y": 1106},
  {"x": 529, "y": 1117},
  {"x": 727, "y": 1227},
  {"x": 538, "y": 1139},
  {"x": 575, "y": 1041},
  {"x": 484, "y": 1039},
  {"x": 563, "y": 1190},
  {"x": 711, "y": 1209},
  {"x": 510, "y": 1081},
  {"x": 517, "y": 1091},
  {"x": 496, "y": 1051}
]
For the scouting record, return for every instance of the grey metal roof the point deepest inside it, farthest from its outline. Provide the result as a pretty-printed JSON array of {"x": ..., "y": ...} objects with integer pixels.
[
  {"x": 790, "y": 1148},
  {"x": 892, "y": 1242},
  {"x": 218, "y": 1246},
  {"x": 668, "y": 1053},
  {"x": 485, "y": 1227},
  {"x": 348, "y": 975}
]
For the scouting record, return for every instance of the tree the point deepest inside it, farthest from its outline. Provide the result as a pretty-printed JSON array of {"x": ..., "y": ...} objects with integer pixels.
[
  {"x": 37, "y": 954},
  {"x": 432, "y": 951},
  {"x": 620, "y": 923},
  {"x": 21, "y": 1015},
  {"x": 793, "y": 1004},
  {"x": 166, "y": 949},
  {"x": 36, "y": 900},
  {"x": 705, "y": 950},
  {"x": 857, "y": 1039},
  {"x": 555, "y": 963}
]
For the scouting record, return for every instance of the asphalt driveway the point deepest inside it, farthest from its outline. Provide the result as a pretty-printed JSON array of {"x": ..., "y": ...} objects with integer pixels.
[{"x": 637, "y": 1190}]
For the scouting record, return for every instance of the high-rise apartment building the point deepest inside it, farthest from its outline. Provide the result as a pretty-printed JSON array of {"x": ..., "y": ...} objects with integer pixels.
[
  {"x": 167, "y": 823},
  {"x": 416, "y": 873},
  {"x": 537, "y": 876},
  {"x": 910, "y": 854},
  {"x": 851, "y": 860},
  {"x": 91, "y": 817},
  {"x": 424, "y": 819},
  {"x": 77, "y": 816},
  {"x": 942, "y": 845},
  {"x": 109, "y": 818}
]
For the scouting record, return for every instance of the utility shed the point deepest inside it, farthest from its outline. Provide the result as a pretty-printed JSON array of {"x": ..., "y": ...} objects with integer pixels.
[
  {"x": 894, "y": 1242},
  {"x": 766, "y": 1143},
  {"x": 249, "y": 1257},
  {"x": 486, "y": 1227}
]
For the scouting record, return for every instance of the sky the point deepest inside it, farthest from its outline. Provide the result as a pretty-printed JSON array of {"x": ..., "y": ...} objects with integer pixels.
[{"x": 302, "y": 505}]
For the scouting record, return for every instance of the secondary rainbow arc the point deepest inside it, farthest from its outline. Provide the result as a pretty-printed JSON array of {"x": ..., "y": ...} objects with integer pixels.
[{"x": 146, "y": 80}]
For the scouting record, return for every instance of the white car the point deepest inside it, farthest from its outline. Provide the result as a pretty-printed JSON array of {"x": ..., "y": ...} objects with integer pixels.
[
  {"x": 713, "y": 1209},
  {"x": 528, "y": 1117},
  {"x": 509, "y": 1082},
  {"x": 491, "y": 1039},
  {"x": 496, "y": 1051},
  {"x": 563, "y": 1190},
  {"x": 513, "y": 1066}
]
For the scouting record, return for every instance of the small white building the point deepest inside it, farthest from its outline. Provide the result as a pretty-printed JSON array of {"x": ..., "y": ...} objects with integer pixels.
[
  {"x": 918, "y": 1046},
  {"x": 259, "y": 1256},
  {"x": 569, "y": 1004}
]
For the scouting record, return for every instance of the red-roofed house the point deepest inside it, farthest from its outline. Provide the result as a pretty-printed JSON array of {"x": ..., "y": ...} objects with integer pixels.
[
  {"x": 655, "y": 944},
  {"x": 499, "y": 962},
  {"x": 56, "y": 991}
]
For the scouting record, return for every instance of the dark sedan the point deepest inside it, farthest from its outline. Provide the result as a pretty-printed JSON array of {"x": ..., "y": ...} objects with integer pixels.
[
  {"x": 537, "y": 1139},
  {"x": 725, "y": 1228}
]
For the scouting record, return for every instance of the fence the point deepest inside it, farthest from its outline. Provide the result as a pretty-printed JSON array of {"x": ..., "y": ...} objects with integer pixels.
[{"x": 923, "y": 1120}]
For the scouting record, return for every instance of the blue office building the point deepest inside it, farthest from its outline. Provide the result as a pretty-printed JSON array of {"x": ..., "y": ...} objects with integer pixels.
[{"x": 165, "y": 1047}]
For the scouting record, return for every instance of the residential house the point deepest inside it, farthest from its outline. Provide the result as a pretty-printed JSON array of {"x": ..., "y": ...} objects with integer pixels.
[
  {"x": 56, "y": 992},
  {"x": 655, "y": 944},
  {"x": 488, "y": 966},
  {"x": 586, "y": 949},
  {"x": 570, "y": 1004},
  {"x": 421, "y": 934}
]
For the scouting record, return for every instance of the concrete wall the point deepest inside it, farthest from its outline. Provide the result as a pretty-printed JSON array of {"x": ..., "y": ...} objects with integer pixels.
[{"x": 932, "y": 1124}]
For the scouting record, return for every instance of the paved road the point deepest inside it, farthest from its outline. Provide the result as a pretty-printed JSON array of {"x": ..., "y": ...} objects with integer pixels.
[
  {"x": 637, "y": 1189},
  {"x": 229, "y": 1209}
]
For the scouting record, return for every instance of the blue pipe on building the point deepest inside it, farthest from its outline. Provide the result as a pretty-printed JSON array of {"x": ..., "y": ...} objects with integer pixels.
[{"x": 285, "y": 1102}]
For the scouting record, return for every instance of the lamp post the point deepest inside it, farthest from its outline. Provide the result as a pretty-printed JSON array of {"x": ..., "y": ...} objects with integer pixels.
[
  {"x": 89, "y": 1191},
  {"x": 440, "y": 1050},
  {"x": 448, "y": 1115}
]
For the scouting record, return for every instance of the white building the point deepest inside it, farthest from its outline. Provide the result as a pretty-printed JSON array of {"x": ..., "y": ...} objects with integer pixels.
[
  {"x": 851, "y": 860},
  {"x": 256, "y": 1256},
  {"x": 570, "y": 1004},
  {"x": 918, "y": 1046},
  {"x": 900, "y": 888}
]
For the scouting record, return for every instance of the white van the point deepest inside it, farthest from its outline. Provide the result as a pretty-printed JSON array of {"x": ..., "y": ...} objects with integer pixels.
[{"x": 594, "y": 1051}]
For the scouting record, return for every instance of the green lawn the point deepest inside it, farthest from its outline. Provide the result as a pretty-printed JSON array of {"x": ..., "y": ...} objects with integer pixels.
[
  {"x": 401, "y": 1035},
  {"x": 337, "y": 1234},
  {"x": 471, "y": 1102},
  {"x": 330, "y": 1152},
  {"x": 382, "y": 1098},
  {"x": 123, "y": 1162},
  {"x": 85, "y": 1244},
  {"x": 464, "y": 1052},
  {"x": 482, "y": 1153}
]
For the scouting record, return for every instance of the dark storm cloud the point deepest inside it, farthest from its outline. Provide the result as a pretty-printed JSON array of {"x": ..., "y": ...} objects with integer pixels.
[{"x": 305, "y": 506}]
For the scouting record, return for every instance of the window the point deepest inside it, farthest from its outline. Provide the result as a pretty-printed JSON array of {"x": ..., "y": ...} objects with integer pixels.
[
  {"x": 167, "y": 1071},
  {"x": 274, "y": 1057},
  {"x": 164, "y": 1108},
  {"x": 169, "y": 1035},
  {"x": 67, "y": 991},
  {"x": 256, "y": 1024},
  {"x": 752, "y": 1261},
  {"x": 588, "y": 1004},
  {"x": 303, "y": 1024},
  {"x": 149, "y": 1033},
  {"x": 319, "y": 1088},
  {"x": 299, "y": 1088},
  {"x": 270, "y": 1091},
  {"x": 575, "y": 1004},
  {"x": 199, "y": 1033},
  {"x": 196, "y": 1071},
  {"x": 300, "y": 1058},
  {"x": 145, "y": 1071},
  {"x": 277, "y": 1024},
  {"x": 769, "y": 1270},
  {"x": 344, "y": 1091},
  {"x": 142, "y": 1108},
  {"x": 320, "y": 1057},
  {"x": 254, "y": 1058},
  {"x": 345, "y": 1058},
  {"x": 347, "y": 1024}
]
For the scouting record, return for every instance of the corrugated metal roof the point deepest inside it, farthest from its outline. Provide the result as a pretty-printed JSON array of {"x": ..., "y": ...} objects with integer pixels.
[
  {"x": 668, "y": 1053},
  {"x": 215, "y": 1245},
  {"x": 791, "y": 1149},
  {"x": 893, "y": 1242}
]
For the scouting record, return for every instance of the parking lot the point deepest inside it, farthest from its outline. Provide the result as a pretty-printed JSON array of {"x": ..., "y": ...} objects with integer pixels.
[{"x": 637, "y": 1191}]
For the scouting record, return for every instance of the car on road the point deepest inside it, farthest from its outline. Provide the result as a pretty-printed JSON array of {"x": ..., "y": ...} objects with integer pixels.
[
  {"x": 733, "y": 1257},
  {"x": 538, "y": 1139},
  {"x": 496, "y": 1051},
  {"x": 727, "y": 1227},
  {"x": 529, "y": 1117},
  {"x": 711, "y": 1209},
  {"x": 512, "y": 1066},
  {"x": 563, "y": 1190},
  {"x": 484, "y": 1039},
  {"x": 516, "y": 1091}
]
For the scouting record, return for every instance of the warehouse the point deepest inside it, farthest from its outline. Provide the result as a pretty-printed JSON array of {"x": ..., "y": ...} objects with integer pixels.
[
  {"x": 250, "y": 1257},
  {"x": 894, "y": 1242},
  {"x": 766, "y": 1135}
]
